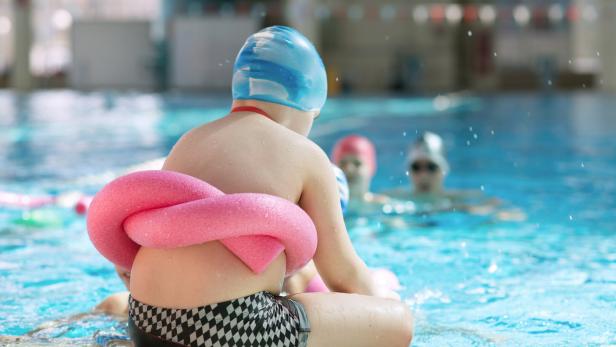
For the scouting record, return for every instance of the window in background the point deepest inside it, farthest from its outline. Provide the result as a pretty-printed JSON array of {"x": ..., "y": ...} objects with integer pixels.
[{"x": 50, "y": 55}]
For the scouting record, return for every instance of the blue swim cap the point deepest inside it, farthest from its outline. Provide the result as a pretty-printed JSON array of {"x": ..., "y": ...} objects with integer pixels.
[
  {"x": 343, "y": 187},
  {"x": 280, "y": 65}
]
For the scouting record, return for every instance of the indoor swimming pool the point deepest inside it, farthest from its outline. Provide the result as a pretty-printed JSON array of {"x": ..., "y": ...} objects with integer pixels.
[{"x": 470, "y": 280}]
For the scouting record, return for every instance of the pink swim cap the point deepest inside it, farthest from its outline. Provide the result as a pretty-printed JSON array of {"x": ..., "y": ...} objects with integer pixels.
[{"x": 355, "y": 145}]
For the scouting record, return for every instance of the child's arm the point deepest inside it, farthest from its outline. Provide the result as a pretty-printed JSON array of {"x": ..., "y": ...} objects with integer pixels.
[{"x": 336, "y": 260}]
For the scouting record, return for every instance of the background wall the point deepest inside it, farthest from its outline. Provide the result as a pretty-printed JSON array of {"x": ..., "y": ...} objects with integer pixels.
[
  {"x": 203, "y": 50},
  {"x": 112, "y": 54},
  {"x": 369, "y": 46}
]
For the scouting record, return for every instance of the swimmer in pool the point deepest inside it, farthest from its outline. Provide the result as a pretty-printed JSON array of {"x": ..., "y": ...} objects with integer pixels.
[
  {"x": 356, "y": 156},
  {"x": 427, "y": 168},
  {"x": 261, "y": 146}
]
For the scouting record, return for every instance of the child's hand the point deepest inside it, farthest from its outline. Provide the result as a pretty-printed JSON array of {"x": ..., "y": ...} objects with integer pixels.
[{"x": 388, "y": 294}]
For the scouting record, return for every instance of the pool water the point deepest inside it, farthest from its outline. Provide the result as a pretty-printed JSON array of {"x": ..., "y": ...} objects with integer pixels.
[{"x": 470, "y": 280}]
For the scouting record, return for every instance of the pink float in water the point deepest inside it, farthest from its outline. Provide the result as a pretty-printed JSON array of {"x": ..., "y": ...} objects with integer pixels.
[
  {"x": 82, "y": 205},
  {"x": 16, "y": 200},
  {"x": 76, "y": 200}
]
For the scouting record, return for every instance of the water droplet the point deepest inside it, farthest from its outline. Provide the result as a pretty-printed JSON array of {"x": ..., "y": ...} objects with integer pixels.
[
  {"x": 598, "y": 54},
  {"x": 475, "y": 136},
  {"x": 482, "y": 187},
  {"x": 493, "y": 268},
  {"x": 404, "y": 133},
  {"x": 468, "y": 143},
  {"x": 582, "y": 165},
  {"x": 469, "y": 33},
  {"x": 406, "y": 173},
  {"x": 495, "y": 54},
  {"x": 569, "y": 61},
  {"x": 549, "y": 82},
  {"x": 337, "y": 78},
  {"x": 570, "y": 217},
  {"x": 470, "y": 128},
  {"x": 492, "y": 132}
]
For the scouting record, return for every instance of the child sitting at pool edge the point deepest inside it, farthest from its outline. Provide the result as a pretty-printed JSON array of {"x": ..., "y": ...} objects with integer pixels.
[{"x": 279, "y": 87}]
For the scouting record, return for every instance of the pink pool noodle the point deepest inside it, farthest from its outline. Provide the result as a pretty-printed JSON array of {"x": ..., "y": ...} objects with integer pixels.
[
  {"x": 381, "y": 277},
  {"x": 316, "y": 285},
  {"x": 355, "y": 145},
  {"x": 165, "y": 209}
]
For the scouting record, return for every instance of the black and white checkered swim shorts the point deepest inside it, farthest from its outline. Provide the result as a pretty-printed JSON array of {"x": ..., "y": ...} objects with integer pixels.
[{"x": 259, "y": 320}]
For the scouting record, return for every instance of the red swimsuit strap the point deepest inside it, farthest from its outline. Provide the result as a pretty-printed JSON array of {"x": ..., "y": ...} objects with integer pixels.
[{"x": 250, "y": 109}]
